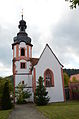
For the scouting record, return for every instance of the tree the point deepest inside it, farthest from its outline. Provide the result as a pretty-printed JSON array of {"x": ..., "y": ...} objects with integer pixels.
[
  {"x": 74, "y": 79},
  {"x": 21, "y": 94},
  {"x": 2, "y": 83},
  {"x": 74, "y": 3},
  {"x": 66, "y": 79},
  {"x": 6, "y": 100},
  {"x": 71, "y": 71},
  {"x": 41, "y": 97}
]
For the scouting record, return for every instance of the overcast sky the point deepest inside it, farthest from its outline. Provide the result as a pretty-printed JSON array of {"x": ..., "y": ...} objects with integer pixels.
[{"x": 48, "y": 21}]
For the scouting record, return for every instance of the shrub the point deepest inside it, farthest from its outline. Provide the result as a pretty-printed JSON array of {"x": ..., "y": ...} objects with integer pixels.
[
  {"x": 41, "y": 97},
  {"x": 21, "y": 94},
  {"x": 6, "y": 100}
]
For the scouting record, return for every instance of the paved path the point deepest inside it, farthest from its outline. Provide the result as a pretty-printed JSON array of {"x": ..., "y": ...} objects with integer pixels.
[{"x": 27, "y": 111}]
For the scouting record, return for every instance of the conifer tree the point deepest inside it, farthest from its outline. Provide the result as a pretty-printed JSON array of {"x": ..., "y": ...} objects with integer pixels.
[
  {"x": 41, "y": 97},
  {"x": 6, "y": 100}
]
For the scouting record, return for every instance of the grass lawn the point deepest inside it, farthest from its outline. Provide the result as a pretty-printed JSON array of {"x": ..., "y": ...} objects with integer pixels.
[
  {"x": 67, "y": 110},
  {"x": 4, "y": 114}
]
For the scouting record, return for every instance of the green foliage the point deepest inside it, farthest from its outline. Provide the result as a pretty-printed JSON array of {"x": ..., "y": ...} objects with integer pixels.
[
  {"x": 2, "y": 83},
  {"x": 74, "y": 3},
  {"x": 11, "y": 79},
  {"x": 4, "y": 114},
  {"x": 21, "y": 94},
  {"x": 74, "y": 79},
  {"x": 6, "y": 100},
  {"x": 41, "y": 97},
  {"x": 66, "y": 79},
  {"x": 71, "y": 71}
]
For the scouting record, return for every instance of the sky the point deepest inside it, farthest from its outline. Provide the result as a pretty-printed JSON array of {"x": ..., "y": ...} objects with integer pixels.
[{"x": 48, "y": 21}]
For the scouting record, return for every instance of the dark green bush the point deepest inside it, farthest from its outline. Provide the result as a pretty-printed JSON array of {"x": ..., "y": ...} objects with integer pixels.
[
  {"x": 41, "y": 97},
  {"x": 6, "y": 100}
]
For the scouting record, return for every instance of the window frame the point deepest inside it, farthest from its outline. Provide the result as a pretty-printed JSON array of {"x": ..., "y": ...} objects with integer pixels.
[
  {"x": 23, "y": 82},
  {"x": 48, "y": 73},
  {"x": 21, "y": 63},
  {"x": 21, "y": 51}
]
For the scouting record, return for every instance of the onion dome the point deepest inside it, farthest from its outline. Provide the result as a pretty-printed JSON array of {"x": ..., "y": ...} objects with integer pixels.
[{"x": 22, "y": 36}]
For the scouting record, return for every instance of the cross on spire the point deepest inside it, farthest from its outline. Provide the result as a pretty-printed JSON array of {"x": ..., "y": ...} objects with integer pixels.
[
  {"x": 22, "y": 24},
  {"x": 22, "y": 14}
]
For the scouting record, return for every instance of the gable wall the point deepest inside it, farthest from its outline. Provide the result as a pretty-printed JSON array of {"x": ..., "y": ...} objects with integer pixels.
[{"x": 46, "y": 61}]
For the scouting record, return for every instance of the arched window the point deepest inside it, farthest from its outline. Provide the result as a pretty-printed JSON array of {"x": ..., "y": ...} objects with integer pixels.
[
  {"x": 22, "y": 52},
  {"x": 48, "y": 78}
]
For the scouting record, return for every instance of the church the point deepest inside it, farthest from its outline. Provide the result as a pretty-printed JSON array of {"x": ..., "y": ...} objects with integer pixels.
[{"x": 27, "y": 69}]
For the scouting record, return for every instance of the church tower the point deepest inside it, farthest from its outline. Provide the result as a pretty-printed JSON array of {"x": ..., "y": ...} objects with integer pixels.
[{"x": 22, "y": 53}]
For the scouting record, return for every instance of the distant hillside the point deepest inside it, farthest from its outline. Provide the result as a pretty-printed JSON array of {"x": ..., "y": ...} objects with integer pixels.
[
  {"x": 10, "y": 77},
  {"x": 68, "y": 71},
  {"x": 71, "y": 71}
]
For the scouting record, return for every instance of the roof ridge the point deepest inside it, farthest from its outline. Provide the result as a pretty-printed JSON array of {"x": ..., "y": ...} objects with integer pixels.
[{"x": 52, "y": 53}]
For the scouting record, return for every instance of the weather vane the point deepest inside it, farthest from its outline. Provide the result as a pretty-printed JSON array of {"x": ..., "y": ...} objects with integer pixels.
[{"x": 22, "y": 14}]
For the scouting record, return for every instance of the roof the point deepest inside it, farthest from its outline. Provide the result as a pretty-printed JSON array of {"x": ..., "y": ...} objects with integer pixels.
[
  {"x": 52, "y": 53},
  {"x": 22, "y": 36},
  {"x": 34, "y": 61},
  {"x": 76, "y": 76}
]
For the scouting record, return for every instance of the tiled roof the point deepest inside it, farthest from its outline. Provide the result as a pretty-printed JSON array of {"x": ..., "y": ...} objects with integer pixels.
[
  {"x": 22, "y": 37},
  {"x": 34, "y": 61}
]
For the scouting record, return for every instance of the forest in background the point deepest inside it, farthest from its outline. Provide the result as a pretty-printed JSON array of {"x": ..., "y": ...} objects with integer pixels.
[
  {"x": 71, "y": 71},
  {"x": 67, "y": 73}
]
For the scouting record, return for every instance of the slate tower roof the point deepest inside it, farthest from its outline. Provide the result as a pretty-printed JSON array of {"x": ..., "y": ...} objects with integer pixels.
[{"x": 22, "y": 36}]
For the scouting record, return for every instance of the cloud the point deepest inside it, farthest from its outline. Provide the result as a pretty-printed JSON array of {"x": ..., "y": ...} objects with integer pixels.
[
  {"x": 66, "y": 39},
  {"x": 4, "y": 71},
  {"x": 6, "y": 38},
  {"x": 47, "y": 22}
]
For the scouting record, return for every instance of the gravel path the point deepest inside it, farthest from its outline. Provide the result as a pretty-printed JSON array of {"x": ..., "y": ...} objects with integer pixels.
[{"x": 27, "y": 111}]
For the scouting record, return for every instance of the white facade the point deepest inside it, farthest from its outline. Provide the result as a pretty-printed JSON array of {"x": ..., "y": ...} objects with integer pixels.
[
  {"x": 27, "y": 69},
  {"x": 27, "y": 82},
  {"x": 19, "y": 70},
  {"x": 23, "y": 45},
  {"x": 23, "y": 75},
  {"x": 49, "y": 61},
  {"x": 15, "y": 51}
]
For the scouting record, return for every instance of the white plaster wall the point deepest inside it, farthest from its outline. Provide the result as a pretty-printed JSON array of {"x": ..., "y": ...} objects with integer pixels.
[
  {"x": 15, "y": 51},
  {"x": 19, "y": 51},
  {"x": 30, "y": 51},
  {"x": 19, "y": 70},
  {"x": 27, "y": 81},
  {"x": 22, "y": 74},
  {"x": 23, "y": 44},
  {"x": 26, "y": 78},
  {"x": 48, "y": 60}
]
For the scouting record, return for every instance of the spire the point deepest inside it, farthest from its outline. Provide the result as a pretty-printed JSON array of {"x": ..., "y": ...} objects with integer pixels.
[
  {"x": 22, "y": 24},
  {"x": 22, "y": 35},
  {"x": 22, "y": 14}
]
